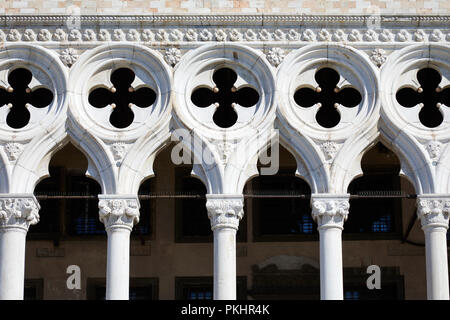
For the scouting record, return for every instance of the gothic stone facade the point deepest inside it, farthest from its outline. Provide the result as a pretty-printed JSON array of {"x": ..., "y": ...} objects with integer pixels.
[{"x": 171, "y": 56}]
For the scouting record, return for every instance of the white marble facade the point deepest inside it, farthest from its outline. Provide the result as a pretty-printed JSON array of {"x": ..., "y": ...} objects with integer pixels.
[{"x": 173, "y": 56}]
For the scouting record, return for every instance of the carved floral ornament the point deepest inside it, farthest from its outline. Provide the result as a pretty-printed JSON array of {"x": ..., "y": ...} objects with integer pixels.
[
  {"x": 433, "y": 211},
  {"x": 225, "y": 213},
  {"x": 330, "y": 212},
  {"x": 18, "y": 212},
  {"x": 119, "y": 213},
  {"x": 220, "y": 34}
]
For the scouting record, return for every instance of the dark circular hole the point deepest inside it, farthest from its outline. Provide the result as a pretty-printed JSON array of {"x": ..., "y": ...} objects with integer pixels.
[
  {"x": 328, "y": 116},
  {"x": 19, "y": 78},
  {"x": 121, "y": 117},
  {"x": 225, "y": 117},
  {"x": 224, "y": 78}
]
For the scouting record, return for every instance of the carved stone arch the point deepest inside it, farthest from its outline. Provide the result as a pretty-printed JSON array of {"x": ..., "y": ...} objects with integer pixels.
[
  {"x": 412, "y": 159},
  {"x": 347, "y": 164},
  {"x": 443, "y": 171},
  {"x": 134, "y": 171},
  {"x": 22, "y": 149},
  {"x": 230, "y": 147},
  {"x": 331, "y": 151},
  {"x": 422, "y": 148},
  {"x": 309, "y": 160},
  {"x": 120, "y": 165},
  {"x": 95, "y": 151},
  {"x": 302, "y": 170},
  {"x": 206, "y": 164}
]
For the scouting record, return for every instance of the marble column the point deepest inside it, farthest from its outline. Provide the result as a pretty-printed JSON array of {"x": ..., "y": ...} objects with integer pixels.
[
  {"x": 330, "y": 212},
  {"x": 119, "y": 213},
  {"x": 225, "y": 212},
  {"x": 17, "y": 213},
  {"x": 433, "y": 211}
]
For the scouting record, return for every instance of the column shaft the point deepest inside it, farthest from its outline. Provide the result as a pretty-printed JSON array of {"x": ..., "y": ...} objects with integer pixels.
[
  {"x": 118, "y": 264},
  {"x": 12, "y": 263},
  {"x": 330, "y": 211},
  {"x": 331, "y": 278},
  {"x": 433, "y": 211},
  {"x": 119, "y": 213},
  {"x": 17, "y": 213},
  {"x": 437, "y": 265},
  {"x": 224, "y": 212},
  {"x": 225, "y": 264}
]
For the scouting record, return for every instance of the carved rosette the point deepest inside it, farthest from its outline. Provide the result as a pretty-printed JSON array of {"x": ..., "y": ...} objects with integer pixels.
[
  {"x": 330, "y": 212},
  {"x": 433, "y": 211},
  {"x": 329, "y": 148},
  {"x": 225, "y": 212},
  {"x": 18, "y": 212},
  {"x": 119, "y": 212},
  {"x": 13, "y": 150}
]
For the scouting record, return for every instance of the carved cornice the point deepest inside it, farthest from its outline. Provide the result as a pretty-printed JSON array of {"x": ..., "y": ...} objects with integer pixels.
[
  {"x": 284, "y": 30},
  {"x": 225, "y": 211},
  {"x": 330, "y": 211},
  {"x": 18, "y": 211},
  {"x": 118, "y": 211},
  {"x": 433, "y": 210},
  {"x": 195, "y": 19}
]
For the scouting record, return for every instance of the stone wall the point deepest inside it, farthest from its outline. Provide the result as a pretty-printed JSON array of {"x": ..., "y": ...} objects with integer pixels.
[{"x": 12, "y": 7}]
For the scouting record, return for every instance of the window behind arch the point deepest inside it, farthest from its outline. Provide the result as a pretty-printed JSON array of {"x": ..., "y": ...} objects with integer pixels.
[
  {"x": 280, "y": 204},
  {"x": 192, "y": 217},
  {"x": 68, "y": 199},
  {"x": 380, "y": 216}
]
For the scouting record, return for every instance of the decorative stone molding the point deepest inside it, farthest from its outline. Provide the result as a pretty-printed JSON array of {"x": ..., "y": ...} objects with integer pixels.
[
  {"x": 118, "y": 211},
  {"x": 172, "y": 56},
  {"x": 265, "y": 34},
  {"x": 378, "y": 57},
  {"x": 275, "y": 56},
  {"x": 47, "y": 72},
  {"x": 18, "y": 211},
  {"x": 330, "y": 211},
  {"x": 420, "y": 146},
  {"x": 93, "y": 69},
  {"x": 329, "y": 148},
  {"x": 225, "y": 211},
  {"x": 433, "y": 210},
  {"x": 434, "y": 149},
  {"x": 210, "y": 33},
  {"x": 69, "y": 56},
  {"x": 13, "y": 150}
]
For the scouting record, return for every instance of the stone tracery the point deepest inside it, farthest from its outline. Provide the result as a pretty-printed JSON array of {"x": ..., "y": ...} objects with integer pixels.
[{"x": 327, "y": 163}]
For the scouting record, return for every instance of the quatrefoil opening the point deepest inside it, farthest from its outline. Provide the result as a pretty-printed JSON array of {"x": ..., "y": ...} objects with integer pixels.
[
  {"x": 430, "y": 97},
  {"x": 224, "y": 97},
  {"x": 328, "y": 97},
  {"x": 20, "y": 98},
  {"x": 122, "y": 97}
]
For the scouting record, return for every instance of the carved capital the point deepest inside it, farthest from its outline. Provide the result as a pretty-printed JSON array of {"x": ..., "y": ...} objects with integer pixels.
[
  {"x": 225, "y": 211},
  {"x": 18, "y": 211},
  {"x": 330, "y": 211},
  {"x": 118, "y": 211},
  {"x": 433, "y": 210}
]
